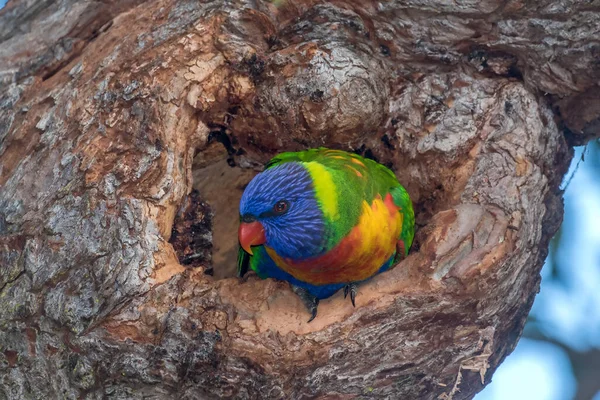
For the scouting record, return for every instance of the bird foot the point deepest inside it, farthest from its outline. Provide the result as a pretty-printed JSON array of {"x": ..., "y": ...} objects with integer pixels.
[
  {"x": 351, "y": 287},
  {"x": 310, "y": 301}
]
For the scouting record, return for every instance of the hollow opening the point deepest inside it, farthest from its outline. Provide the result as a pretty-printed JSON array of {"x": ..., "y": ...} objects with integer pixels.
[
  {"x": 220, "y": 186},
  {"x": 205, "y": 229}
]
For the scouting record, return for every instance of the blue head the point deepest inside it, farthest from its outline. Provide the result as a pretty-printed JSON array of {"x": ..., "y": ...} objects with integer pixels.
[{"x": 281, "y": 201}]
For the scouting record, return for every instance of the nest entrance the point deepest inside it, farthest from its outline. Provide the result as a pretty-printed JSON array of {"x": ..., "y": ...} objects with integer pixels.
[{"x": 213, "y": 209}]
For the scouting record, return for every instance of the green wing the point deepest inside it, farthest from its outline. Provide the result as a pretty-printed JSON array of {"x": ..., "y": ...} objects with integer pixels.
[
  {"x": 259, "y": 262},
  {"x": 243, "y": 262},
  {"x": 402, "y": 200}
]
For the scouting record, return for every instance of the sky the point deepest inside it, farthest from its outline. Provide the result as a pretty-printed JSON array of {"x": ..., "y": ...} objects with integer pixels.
[
  {"x": 2, "y": 3},
  {"x": 534, "y": 371}
]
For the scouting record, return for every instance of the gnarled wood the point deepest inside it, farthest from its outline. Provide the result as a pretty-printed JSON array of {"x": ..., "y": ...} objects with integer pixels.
[{"x": 105, "y": 107}]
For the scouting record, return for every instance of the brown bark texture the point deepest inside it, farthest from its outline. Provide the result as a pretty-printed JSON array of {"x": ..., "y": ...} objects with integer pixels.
[{"x": 129, "y": 128}]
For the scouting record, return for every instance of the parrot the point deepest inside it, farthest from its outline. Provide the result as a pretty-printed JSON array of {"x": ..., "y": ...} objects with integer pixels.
[{"x": 323, "y": 220}]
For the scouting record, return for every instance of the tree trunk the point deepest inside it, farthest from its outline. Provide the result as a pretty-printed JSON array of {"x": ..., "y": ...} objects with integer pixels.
[{"x": 111, "y": 112}]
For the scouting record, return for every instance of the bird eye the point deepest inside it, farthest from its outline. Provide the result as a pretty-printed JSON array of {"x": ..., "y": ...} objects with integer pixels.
[{"x": 280, "y": 207}]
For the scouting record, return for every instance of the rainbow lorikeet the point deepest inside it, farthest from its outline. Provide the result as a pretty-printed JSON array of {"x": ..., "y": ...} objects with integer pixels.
[{"x": 323, "y": 220}]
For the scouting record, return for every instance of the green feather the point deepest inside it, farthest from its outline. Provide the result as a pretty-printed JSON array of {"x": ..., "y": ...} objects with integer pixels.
[
  {"x": 402, "y": 200},
  {"x": 243, "y": 261}
]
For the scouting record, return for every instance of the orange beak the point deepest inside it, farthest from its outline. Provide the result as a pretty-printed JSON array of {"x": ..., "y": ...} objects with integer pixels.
[{"x": 251, "y": 234}]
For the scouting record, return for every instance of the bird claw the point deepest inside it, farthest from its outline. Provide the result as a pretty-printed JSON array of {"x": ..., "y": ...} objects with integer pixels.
[
  {"x": 310, "y": 301},
  {"x": 351, "y": 287}
]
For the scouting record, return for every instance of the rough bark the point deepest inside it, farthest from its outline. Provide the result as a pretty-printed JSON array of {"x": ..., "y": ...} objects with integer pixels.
[{"x": 104, "y": 106}]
